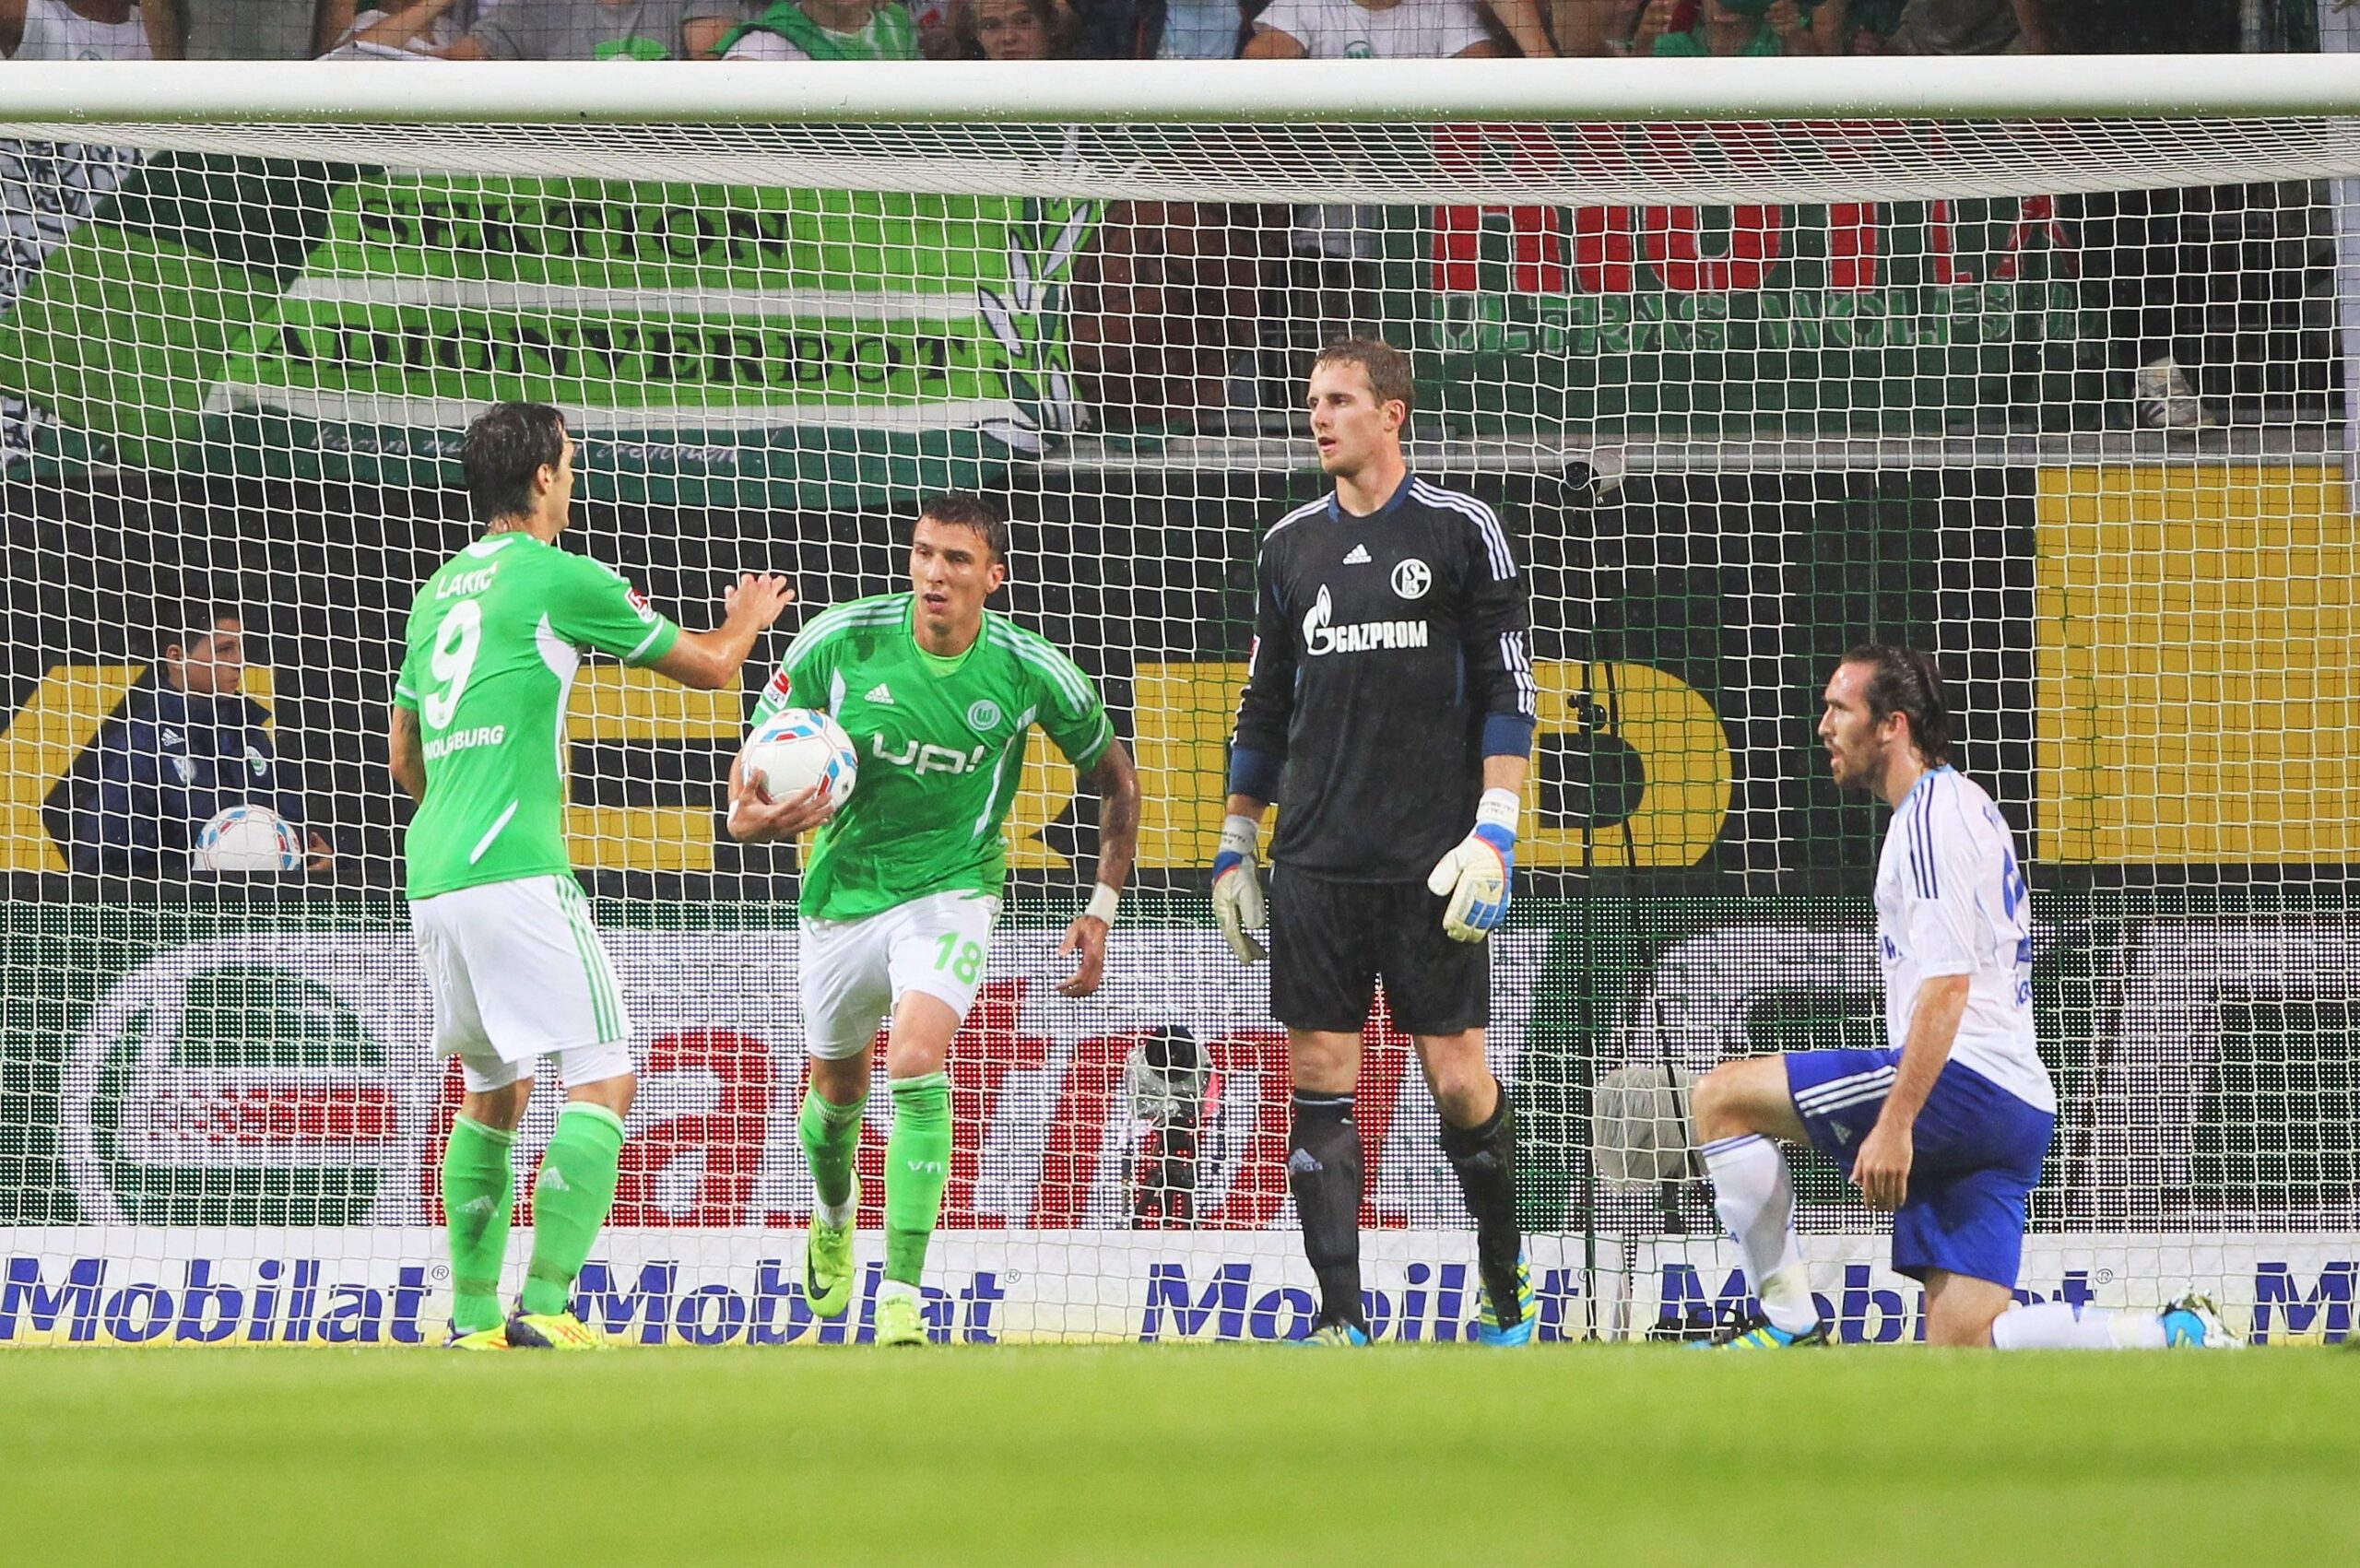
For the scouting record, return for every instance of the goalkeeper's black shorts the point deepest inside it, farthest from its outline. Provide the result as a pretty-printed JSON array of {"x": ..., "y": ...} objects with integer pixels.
[{"x": 1331, "y": 942}]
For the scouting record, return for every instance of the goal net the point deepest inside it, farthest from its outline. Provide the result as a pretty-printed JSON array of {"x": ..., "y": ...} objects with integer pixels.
[{"x": 1756, "y": 363}]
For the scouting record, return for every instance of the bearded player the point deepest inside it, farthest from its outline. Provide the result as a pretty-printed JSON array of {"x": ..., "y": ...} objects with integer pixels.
[
  {"x": 1945, "y": 1129},
  {"x": 1388, "y": 713},
  {"x": 901, "y": 885},
  {"x": 517, "y": 973}
]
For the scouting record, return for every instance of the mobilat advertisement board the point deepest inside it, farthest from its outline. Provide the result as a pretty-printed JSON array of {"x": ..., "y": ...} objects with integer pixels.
[
  {"x": 201, "y": 1100},
  {"x": 387, "y": 1286}
]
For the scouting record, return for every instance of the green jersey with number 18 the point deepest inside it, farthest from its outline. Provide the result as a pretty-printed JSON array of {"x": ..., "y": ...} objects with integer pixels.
[
  {"x": 493, "y": 641},
  {"x": 941, "y": 746}
]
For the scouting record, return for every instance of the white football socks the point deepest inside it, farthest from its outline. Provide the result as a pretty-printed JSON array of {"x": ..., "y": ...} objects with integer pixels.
[
  {"x": 1755, "y": 1198},
  {"x": 2061, "y": 1325}
]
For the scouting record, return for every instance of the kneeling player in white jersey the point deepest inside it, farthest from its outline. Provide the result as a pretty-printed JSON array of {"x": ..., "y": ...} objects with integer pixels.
[
  {"x": 1946, "y": 1130},
  {"x": 901, "y": 887}
]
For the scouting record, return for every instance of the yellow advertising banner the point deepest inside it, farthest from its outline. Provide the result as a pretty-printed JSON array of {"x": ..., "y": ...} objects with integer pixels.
[{"x": 2197, "y": 656}]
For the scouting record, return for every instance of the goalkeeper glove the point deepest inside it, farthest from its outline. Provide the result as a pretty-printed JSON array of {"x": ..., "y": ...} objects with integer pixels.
[
  {"x": 1475, "y": 876},
  {"x": 1238, "y": 905}
]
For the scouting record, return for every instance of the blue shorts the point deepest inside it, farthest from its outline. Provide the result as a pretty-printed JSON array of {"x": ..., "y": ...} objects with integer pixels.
[{"x": 1975, "y": 1161}]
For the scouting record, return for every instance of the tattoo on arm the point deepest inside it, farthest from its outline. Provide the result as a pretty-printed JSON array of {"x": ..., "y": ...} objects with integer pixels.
[{"x": 1117, "y": 783}]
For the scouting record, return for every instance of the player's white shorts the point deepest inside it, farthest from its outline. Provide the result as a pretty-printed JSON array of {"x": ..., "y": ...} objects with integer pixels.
[
  {"x": 853, "y": 971},
  {"x": 518, "y": 974}
]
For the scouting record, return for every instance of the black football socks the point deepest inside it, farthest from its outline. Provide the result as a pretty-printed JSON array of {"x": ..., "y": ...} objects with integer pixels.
[
  {"x": 1484, "y": 1160},
  {"x": 1324, "y": 1173}
]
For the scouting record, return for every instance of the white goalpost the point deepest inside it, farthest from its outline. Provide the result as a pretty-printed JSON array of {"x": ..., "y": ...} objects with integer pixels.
[{"x": 2038, "y": 364}]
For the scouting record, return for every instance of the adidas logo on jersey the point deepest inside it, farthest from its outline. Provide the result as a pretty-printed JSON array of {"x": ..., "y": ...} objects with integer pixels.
[
  {"x": 877, "y": 693},
  {"x": 1359, "y": 556}
]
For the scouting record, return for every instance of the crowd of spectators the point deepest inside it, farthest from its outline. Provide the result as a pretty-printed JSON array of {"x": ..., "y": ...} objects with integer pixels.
[
  {"x": 1328, "y": 255},
  {"x": 1010, "y": 30}
]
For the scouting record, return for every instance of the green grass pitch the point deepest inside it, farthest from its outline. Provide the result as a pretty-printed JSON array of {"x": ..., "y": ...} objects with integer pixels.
[{"x": 1168, "y": 1455}]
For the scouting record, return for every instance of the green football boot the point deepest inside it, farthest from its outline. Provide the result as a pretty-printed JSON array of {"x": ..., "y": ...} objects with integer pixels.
[
  {"x": 552, "y": 1331},
  {"x": 899, "y": 1321},
  {"x": 827, "y": 1262},
  {"x": 493, "y": 1338}
]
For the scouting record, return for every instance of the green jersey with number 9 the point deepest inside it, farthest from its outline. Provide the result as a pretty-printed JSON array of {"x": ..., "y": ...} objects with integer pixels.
[
  {"x": 941, "y": 746},
  {"x": 493, "y": 641}
]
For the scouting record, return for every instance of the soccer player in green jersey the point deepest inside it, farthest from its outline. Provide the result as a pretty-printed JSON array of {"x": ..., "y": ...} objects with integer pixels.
[
  {"x": 503, "y": 932},
  {"x": 937, "y": 694}
]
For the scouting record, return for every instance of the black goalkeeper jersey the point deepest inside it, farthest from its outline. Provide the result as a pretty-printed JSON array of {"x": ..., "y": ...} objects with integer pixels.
[{"x": 1383, "y": 644}]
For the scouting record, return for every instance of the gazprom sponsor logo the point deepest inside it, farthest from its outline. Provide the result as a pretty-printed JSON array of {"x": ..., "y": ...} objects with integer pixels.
[{"x": 1320, "y": 637}]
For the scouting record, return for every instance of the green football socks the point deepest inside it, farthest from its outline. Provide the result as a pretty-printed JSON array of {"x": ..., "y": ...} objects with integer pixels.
[
  {"x": 478, "y": 1193},
  {"x": 918, "y": 1166},
  {"x": 571, "y": 1198},
  {"x": 831, "y": 1135}
]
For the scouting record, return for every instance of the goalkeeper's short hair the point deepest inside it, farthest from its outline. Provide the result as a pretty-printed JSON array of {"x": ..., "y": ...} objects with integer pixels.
[{"x": 1388, "y": 368}]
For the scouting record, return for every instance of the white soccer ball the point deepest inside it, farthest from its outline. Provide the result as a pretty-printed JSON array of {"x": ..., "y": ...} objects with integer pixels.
[
  {"x": 795, "y": 749},
  {"x": 248, "y": 838}
]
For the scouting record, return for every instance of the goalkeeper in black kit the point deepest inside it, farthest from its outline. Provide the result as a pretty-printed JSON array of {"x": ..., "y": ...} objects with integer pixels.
[{"x": 1389, "y": 711}]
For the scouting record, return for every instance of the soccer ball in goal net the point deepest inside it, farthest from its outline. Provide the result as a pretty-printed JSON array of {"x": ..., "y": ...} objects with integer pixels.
[{"x": 1752, "y": 366}]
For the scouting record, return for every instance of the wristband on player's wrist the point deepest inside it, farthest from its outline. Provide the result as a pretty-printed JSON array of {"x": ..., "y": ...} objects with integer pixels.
[
  {"x": 1498, "y": 808},
  {"x": 1239, "y": 833},
  {"x": 1104, "y": 902}
]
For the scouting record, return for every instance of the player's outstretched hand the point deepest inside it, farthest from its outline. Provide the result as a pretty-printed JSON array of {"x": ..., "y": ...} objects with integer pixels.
[
  {"x": 1086, "y": 935},
  {"x": 758, "y": 599},
  {"x": 755, "y": 818},
  {"x": 1881, "y": 1168},
  {"x": 1238, "y": 904},
  {"x": 1475, "y": 878}
]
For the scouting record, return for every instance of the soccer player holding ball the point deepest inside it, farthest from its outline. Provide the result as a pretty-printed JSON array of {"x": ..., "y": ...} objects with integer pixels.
[
  {"x": 1389, "y": 711},
  {"x": 493, "y": 641},
  {"x": 901, "y": 887},
  {"x": 1945, "y": 1129}
]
